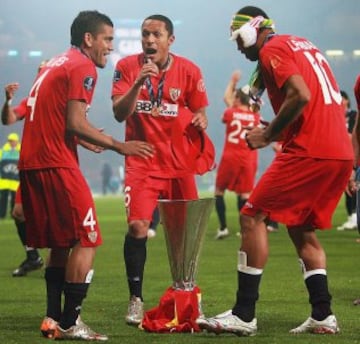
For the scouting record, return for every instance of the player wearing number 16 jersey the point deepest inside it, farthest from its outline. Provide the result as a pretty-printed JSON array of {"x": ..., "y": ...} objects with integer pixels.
[{"x": 302, "y": 186}]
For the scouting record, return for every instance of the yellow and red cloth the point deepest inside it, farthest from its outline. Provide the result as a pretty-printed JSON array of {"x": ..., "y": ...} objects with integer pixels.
[{"x": 177, "y": 312}]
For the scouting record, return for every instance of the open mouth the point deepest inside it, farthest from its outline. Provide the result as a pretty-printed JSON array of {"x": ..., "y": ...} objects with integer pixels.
[{"x": 150, "y": 51}]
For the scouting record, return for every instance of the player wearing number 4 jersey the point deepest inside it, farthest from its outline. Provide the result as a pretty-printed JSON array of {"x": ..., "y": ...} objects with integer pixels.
[
  {"x": 57, "y": 201},
  {"x": 304, "y": 183}
]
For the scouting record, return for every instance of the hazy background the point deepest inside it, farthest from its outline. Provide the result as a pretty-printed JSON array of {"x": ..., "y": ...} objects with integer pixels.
[{"x": 31, "y": 31}]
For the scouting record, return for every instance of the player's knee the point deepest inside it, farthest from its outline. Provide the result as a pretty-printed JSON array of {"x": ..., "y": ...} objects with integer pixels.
[
  {"x": 18, "y": 213},
  {"x": 138, "y": 228}
]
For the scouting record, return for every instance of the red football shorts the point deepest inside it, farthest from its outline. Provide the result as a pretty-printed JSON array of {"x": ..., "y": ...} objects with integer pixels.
[
  {"x": 239, "y": 178},
  {"x": 142, "y": 192},
  {"x": 59, "y": 209},
  {"x": 300, "y": 192}
]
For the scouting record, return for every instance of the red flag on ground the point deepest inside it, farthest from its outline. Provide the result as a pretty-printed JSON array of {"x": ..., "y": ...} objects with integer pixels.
[{"x": 177, "y": 312}]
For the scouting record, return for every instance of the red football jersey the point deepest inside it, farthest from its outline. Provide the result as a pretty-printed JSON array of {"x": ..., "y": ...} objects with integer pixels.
[
  {"x": 22, "y": 109},
  {"x": 235, "y": 145},
  {"x": 320, "y": 131},
  {"x": 45, "y": 142},
  {"x": 183, "y": 93},
  {"x": 357, "y": 92}
]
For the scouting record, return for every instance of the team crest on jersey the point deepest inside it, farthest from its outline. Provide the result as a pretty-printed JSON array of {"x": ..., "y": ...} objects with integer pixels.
[
  {"x": 201, "y": 85},
  {"x": 89, "y": 83},
  {"x": 117, "y": 76},
  {"x": 174, "y": 93},
  {"x": 92, "y": 236}
]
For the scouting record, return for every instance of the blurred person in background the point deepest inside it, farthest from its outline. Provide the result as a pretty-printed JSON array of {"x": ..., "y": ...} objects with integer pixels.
[
  {"x": 238, "y": 164},
  {"x": 350, "y": 199},
  {"x": 9, "y": 116},
  {"x": 9, "y": 174}
]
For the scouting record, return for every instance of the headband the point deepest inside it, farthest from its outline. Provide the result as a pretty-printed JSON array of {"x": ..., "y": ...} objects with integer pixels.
[{"x": 247, "y": 28}]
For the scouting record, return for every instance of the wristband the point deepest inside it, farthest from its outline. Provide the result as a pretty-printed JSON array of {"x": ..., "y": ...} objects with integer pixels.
[{"x": 9, "y": 102}]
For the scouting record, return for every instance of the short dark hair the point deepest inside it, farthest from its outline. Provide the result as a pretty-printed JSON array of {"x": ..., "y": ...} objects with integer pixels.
[
  {"x": 344, "y": 94},
  {"x": 242, "y": 96},
  {"x": 252, "y": 11},
  {"x": 346, "y": 97},
  {"x": 168, "y": 23},
  {"x": 87, "y": 21}
]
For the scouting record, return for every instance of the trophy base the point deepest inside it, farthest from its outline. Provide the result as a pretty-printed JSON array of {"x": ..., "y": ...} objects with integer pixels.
[{"x": 177, "y": 312}]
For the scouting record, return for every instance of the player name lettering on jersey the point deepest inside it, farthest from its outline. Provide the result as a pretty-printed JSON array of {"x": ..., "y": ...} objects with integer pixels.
[
  {"x": 243, "y": 116},
  {"x": 166, "y": 109},
  {"x": 296, "y": 45}
]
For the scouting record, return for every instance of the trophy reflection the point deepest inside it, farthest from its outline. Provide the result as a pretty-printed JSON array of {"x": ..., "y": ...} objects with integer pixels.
[{"x": 184, "y": 224}]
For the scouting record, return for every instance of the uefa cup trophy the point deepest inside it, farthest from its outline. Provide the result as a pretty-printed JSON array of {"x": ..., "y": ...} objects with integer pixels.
[{"x": 184, "y": 223}]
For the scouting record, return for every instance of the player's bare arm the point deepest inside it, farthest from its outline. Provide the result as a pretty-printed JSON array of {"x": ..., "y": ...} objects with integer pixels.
[
  {"x": 8, "y": 115},
  {"x": 229, "y": 94},
  {"x": 77, "y": 124},
  {"x": 297, "y": 95},
  {"x": 200, "y": 120},
  {"x": 124, "y": 106}
]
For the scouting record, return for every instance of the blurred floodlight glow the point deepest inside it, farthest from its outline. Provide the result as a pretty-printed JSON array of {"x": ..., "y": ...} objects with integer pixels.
[
  {"x": 12, "y": 53},
  {"x": 35, "y": 53},
  {"x": 356, "y": 52},
  {"x": 334, "y": 52}
]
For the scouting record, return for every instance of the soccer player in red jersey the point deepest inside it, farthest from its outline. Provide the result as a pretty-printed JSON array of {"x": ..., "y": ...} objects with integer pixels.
[
  {"x": 238, "y": 164},
  {"x": 302, "y": 186},
  {"x": 57, "y": 201},
  {"x": 10, "y": 115},
  {"x": 162, "y": 99}
]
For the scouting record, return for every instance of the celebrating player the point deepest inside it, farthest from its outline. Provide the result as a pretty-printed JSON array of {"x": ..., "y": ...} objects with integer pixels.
[
  {"x": 57, "y": 201},
  {"x": 162, "y": 98},
  {"x": 302, "y": 186},
  {"x": 238, "y": 165}
]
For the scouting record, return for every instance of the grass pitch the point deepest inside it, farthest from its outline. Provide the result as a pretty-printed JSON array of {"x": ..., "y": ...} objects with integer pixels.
[{"x": 283, "y": 300}]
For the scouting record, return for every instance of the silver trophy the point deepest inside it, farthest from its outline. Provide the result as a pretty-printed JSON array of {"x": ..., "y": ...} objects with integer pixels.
[{"x": 184, "y": 223}]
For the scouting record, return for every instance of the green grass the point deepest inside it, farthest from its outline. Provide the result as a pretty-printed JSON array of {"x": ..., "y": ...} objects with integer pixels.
[{"x": 283, "y": 300}]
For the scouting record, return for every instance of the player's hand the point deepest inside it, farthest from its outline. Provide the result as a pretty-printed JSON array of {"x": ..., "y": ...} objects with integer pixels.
[
  {"x": 200, "y": 121},
  {"x": 236, "y": 76},
  {"x": 138, "y": 148},
  {"x": 148, "y": 69},
  {"x": 351, "y": 186},
  {"x": 255, "y": 137},
  {"x": 10, "y": 90}
]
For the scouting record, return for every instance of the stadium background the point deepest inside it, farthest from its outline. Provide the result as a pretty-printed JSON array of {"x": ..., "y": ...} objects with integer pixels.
[{"x": 31, "y": 31}]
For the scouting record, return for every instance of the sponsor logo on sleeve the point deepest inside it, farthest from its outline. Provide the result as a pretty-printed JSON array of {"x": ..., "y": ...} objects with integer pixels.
[
  {"x": 117, "y": 76},
  {"x": 89, "y": 83}
]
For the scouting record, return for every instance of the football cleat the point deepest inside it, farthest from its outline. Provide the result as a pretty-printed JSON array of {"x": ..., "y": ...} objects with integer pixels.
[
  {"x": 327, "y": 326},
  {"x": 222, "y": 233},
  {"x": 228, "y": 323},
  {"x": 48, "y": 327},
  {"x": 350, "y": 224},
  {"x": 135, "y": 312},
  {"x": 151, "y": 233},
  {"x": 79, "y": 331},
  {"x": 28, "y": 265}
]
